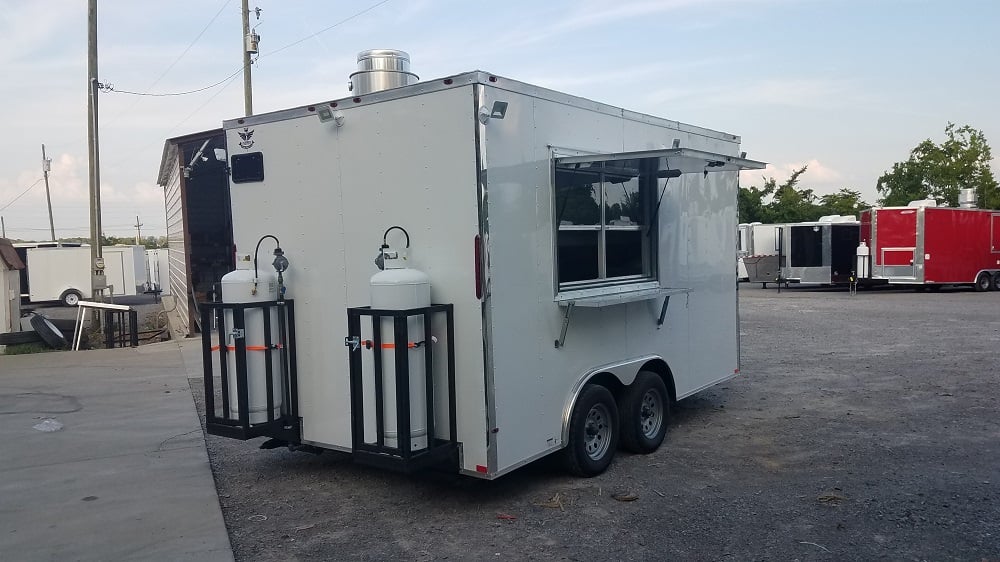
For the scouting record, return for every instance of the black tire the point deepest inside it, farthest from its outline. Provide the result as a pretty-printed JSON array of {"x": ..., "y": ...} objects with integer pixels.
[
  {"x": 996, "y": 282},
  {"x": 49, "y": 333},
  {"x": 70, "y": 297},
  {"x": 644, "y": 411},
  {"x": 17, "y": 338},
  {"x": 593, "y": 432},
  {"x": 983, "y": 282}
]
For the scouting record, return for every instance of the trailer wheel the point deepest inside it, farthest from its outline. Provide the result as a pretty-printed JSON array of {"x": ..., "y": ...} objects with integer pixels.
[
  {"x": 70, "y": 297},
  {"x": 593, "y": 432},
  {"x": 984, "y": 282},
  {"x": 645, "y": 410},
  {"x": 996, "y": 281}
]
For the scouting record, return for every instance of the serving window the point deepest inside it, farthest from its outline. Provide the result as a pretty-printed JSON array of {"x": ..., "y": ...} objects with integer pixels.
[
  {"x": 603, "y": 215},
  {"x": 606, "y": 210}
]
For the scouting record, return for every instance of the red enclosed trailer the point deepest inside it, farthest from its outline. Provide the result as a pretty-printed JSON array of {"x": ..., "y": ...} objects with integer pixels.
[{"x": 933, "y": 246}]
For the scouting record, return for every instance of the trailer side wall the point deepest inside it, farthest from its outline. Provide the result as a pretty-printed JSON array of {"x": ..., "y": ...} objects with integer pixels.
[{"x": 533, "y": 381}]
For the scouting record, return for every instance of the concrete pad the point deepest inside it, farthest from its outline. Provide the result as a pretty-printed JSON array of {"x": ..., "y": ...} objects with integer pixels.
[{"x": 127, "y": 477}]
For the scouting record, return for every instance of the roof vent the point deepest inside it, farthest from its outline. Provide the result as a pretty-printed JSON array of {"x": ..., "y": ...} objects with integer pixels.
[
  {"x": 967, "y": 198},
  {"x": 381, "y": 69}
]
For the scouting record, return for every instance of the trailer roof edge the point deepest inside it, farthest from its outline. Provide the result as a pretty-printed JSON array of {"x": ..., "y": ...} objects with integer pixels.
[{"x": 469, "y": 78}]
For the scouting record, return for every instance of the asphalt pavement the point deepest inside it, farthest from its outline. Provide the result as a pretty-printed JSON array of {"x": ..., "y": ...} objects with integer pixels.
[{"x": 102, "y": 457}]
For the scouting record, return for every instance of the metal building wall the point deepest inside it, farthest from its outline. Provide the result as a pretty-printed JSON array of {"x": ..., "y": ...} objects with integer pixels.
[
  {"x": 176, "y": 238},
  {"x": 195, "y": 181}
]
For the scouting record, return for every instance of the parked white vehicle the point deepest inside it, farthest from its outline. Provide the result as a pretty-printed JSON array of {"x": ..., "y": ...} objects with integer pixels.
[{"x": 581, "y": 256}]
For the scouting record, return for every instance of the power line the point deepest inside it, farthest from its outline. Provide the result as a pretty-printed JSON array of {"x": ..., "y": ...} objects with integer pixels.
[
  {"x": 325, "y": 29},
  {"x": 12, "y": 201},
  {"x": 111, "y": 88},
  {"x": 191, "y": 44}
]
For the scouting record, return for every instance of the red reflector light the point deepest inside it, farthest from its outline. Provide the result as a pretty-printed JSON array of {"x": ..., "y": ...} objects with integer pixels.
[
  {"x": 479, "y": 268},
  {"x": 481, "y": 468},
  {"x": 736, "y": 371}
]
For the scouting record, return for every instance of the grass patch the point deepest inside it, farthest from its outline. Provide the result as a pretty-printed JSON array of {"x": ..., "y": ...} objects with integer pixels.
[{"x": 26, "y": 348}]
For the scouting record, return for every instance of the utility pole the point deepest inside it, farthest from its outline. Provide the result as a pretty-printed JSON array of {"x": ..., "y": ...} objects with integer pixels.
[
  {"x": 46, "y": 166},
  {"x": 97, "y": 283},
  {"x": 247, "y": 43},
  {"x": 138, "y": 231}
]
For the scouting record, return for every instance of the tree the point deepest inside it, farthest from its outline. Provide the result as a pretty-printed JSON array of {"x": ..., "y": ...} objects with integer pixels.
[
  {"x": 844, "y": 202},
  {"x": 750, "y": 202},
  {"x": 791, "y": 204},
  {"x": 939, "y": 171}
]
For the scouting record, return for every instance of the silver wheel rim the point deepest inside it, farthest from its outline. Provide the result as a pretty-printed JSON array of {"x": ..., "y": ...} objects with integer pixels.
[
  {"x": 597, "y": 431},
  {"x": 651, "y": 414},
  {"x": 72, "y": 299}
]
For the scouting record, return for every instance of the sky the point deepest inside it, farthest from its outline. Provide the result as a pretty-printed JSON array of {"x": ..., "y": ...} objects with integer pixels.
[{"x": 847, "y": 87}]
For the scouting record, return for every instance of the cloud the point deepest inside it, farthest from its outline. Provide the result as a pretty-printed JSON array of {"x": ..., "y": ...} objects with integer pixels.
[{"x": 818, "y": 176}]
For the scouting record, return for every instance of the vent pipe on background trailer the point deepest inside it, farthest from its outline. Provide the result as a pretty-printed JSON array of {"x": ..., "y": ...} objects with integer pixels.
[
  {"x": 381, "y": 69},
  {"x": 967, "y": 198}
]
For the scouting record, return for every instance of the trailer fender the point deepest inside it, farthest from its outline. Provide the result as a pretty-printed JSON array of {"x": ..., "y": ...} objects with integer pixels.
[{"x": 614, "y": 376}]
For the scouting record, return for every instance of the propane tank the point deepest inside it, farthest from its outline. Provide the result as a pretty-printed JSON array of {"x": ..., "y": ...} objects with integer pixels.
[
  {"x": 248, "y": 286},
  {"x": 399, "y": 287},
  {"x": 863, "y": 263}
]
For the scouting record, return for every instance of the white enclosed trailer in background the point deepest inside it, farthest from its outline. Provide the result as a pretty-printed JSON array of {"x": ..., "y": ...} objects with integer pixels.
[
  {"x": 125, "y": 269},
  {"x": 582, "y": 253},
  {"x": 822, "y": 252},
  {"x": 57, "y": 273}
]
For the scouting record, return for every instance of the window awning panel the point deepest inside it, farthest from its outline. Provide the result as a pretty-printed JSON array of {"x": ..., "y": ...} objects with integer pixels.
[{"x": 684, "y": 160}]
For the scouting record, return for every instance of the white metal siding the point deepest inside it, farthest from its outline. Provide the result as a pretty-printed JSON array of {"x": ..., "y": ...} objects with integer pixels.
[
  {"x": 533, "y": 381},
  {"x": 328, "y": 195}
]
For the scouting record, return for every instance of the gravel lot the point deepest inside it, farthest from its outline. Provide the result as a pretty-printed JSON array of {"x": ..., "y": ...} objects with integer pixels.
[{"x": 861, "y": 428}]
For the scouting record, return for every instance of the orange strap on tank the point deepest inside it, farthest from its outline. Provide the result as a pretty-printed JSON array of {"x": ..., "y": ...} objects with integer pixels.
[
  {"x": 369, "y": 344},
  {"x": 249, "y": 347}
]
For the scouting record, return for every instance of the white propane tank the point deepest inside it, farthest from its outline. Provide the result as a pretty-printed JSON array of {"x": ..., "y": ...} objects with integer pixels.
[
  {"x": 399, "y": 287},
  {"x": 862, "y": 267},
  {"x": 238, "y": 287}
]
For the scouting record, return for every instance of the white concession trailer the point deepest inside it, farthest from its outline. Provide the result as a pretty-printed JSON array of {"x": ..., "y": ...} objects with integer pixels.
[{"x": 556, "y": 273}]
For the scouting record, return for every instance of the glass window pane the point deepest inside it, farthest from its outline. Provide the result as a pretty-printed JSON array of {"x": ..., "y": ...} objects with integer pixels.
[
  {"x": 578, "y": 255},
  {"x": 624, "y": 252},
  {"x": 622, "y": 199},
  {"x": 578, "y": 196}
]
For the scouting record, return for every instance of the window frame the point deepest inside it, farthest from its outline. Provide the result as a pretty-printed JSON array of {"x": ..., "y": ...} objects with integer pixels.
[
  {"x": 691, "y": 160},
  {"x": 602, "y": 228}
]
